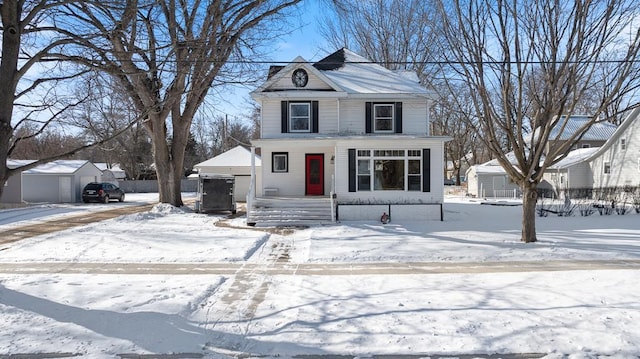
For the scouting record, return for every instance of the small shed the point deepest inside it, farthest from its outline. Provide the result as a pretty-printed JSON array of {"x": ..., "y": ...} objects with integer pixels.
[
  {"x": 490, "y": 180},
  {"x": 58, "y": 181},
  {"x": 235, "y": 162},
  {"x": 12, "y": 192},
  {"x": 111, "y": 173}
]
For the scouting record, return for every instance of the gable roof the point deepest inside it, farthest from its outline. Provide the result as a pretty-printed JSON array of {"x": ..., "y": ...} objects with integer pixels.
[
  {"x": 235, "y": 157},
  {"x": 600, "y": 131},
  {"x": 278, "y": 72},
  {"x": 634, "y": 115},
  {"x": 60, "y": 167},
  {"x": 358, "y": 75},
  {"x": 347, "y": 72}
]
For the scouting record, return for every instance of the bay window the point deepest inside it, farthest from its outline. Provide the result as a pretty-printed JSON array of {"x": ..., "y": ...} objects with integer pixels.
[{"x": 389, "y": 170}]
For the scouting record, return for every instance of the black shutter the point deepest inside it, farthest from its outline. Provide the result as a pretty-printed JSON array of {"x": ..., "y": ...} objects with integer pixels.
[
  {"x": 367, "y": 113},
  {"x": 398, "y": 118},
  {"x": 352, "y": 170},
  {"x": 314, "y": 116},
  {"x": 284, "y": 113},
  {"x": 426, "y": 170}
]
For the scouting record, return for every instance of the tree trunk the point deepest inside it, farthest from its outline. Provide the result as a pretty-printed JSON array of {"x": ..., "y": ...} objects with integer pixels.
[
  {"x": 529, "y": 201},
  {"x": 169, "y": 177},
  {"x": 11, "y": 11}
]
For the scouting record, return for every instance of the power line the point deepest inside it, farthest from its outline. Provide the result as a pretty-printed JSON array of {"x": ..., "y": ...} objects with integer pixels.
[{"x": 435, "y": 62}]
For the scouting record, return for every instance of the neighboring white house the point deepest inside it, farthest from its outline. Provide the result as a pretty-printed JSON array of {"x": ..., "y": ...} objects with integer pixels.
[
  {"x": 58, "y": 181},
  {"x": 617, "y": 162},
  {"x": 236, "y": 162},
  {"x": 352, "y": 128},
  {"x": 491, "y": 180},
  {"x": 111, "y": 173},
  {"x": 12, "y": 192}
]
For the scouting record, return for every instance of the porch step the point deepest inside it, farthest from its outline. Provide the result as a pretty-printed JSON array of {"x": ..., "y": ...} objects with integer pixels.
[{"x": 290, "y": 211}]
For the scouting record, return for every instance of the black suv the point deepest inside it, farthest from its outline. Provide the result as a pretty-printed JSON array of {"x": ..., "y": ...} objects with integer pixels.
[{"x": 101, "y": 192}]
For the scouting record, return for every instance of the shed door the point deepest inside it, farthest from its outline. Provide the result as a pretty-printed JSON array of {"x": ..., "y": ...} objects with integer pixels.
[
  {"x": 314, "y": 175},
  {"x": 64, "y": 185}
]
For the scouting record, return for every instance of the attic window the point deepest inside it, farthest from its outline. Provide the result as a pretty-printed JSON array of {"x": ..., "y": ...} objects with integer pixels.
[
  {"x": 623, "y": 143},
  {"x": 607, "y": 168}
]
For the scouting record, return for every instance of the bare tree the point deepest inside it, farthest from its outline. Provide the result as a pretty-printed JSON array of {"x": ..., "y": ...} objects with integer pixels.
[
  {"x": 31, "y": 102},
  {"x": 167, "y": 55},
  {"x": 449, "y": 120},
  {"x": 107, "y": 110},
  {"x": 222, "y": 133},
  {"x": 398, "y": 34},
  {"x": 498, "y": 48},
  {"x": 402, "y": 35}
]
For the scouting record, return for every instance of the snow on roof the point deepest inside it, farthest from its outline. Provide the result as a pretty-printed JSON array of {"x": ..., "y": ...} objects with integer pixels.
[
  {"x": 600, "y": 131},
  {"x": 356, "y": 74},
  {"x": 58, "y": 167},
  {"x": 237, "y": 156},
  {"x": 489, "y": 169},
  {"x": 115, "y": 169},
  {"x": 11, "y": 164},
  {"x": 574, "y": 157}
]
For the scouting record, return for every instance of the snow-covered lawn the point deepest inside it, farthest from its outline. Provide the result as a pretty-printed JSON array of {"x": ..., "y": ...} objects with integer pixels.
[{"x": 572, "y": 314}]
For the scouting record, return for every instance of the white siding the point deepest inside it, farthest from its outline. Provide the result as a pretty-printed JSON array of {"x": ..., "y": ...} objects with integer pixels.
[
  {"x": 482, "y": 185},
  {"x": 414, "y": 116},
  {"x": 271, "y": 126},
  {"x": 398, "y": 213},
  {"x": 12, "y": 189},
  {"x": 472, "y": 182},
  {"x": 436, "y": 194},
  {"x": 272, "y": 118},
  {"x": 352, "y": 117},
  {"x": 328, "y": 116},
  {"x": 624, "y": 162},
  {"x": 578, "y": 176},
  {"x": 292, "y": 183}
]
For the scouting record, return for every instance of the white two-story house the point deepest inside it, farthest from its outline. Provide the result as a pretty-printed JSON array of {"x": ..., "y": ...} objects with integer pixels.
[{"x": 347, "y": 129}]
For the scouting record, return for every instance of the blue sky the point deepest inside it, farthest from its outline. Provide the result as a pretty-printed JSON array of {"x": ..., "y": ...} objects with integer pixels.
[{"x": 304, "y": 41}]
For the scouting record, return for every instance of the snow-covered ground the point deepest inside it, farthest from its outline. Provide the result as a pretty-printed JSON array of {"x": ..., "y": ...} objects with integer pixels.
[{"x": 250, "y": 310}]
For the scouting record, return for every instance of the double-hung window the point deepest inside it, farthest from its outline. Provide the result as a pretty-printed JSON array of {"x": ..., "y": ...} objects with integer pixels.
[
  {"x": 607, "y": 168},
  {"x": 300, "y": 117},
  {"x": 364, "y": 170},
  {"x": 383, "y": 117}
]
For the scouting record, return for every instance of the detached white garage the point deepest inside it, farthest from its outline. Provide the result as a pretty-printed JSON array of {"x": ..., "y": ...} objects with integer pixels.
[
  {"x": 236, "y": 162},
  {"x": 58, "y": 181}
]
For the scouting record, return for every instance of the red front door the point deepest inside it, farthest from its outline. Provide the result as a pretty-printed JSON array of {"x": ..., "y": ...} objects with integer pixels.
[{"x": 314, "y": 175}]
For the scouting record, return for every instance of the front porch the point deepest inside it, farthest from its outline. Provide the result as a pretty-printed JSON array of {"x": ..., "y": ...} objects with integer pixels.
[{"x": 291, "y": 211}]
